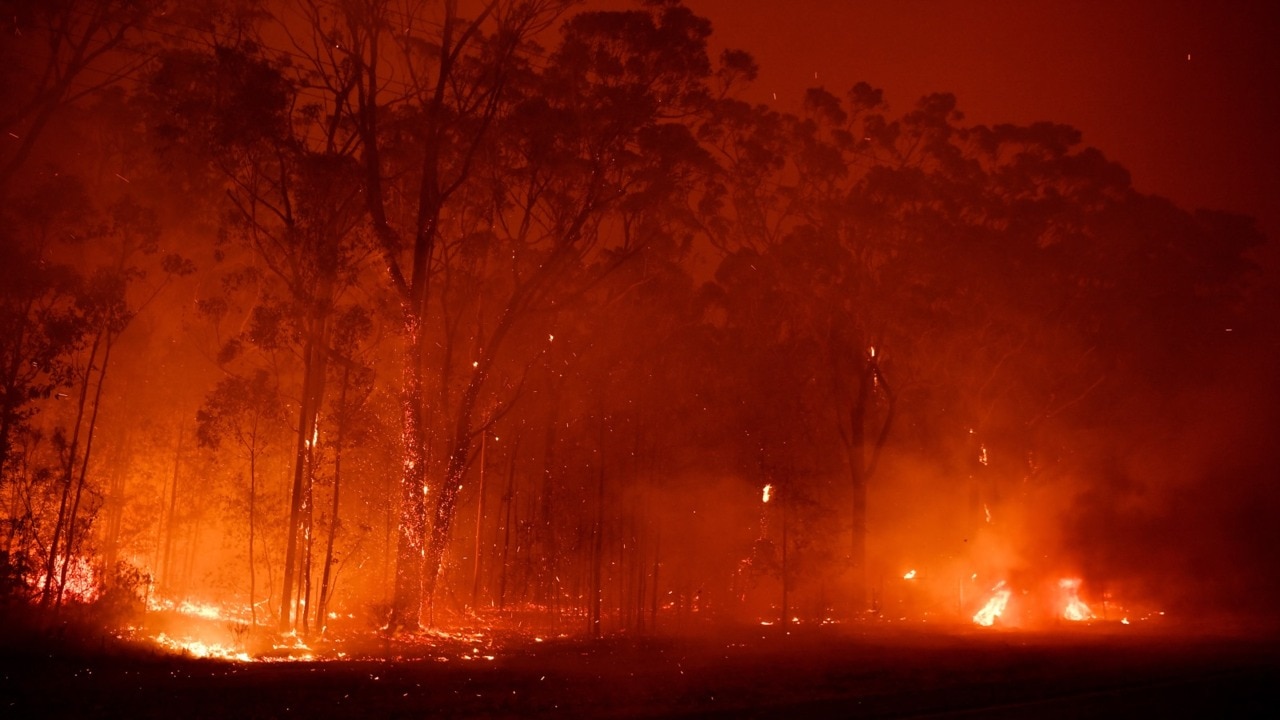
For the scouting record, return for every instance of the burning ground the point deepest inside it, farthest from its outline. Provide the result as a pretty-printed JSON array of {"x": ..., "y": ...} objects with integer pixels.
[{"x": 874, "y": 671}]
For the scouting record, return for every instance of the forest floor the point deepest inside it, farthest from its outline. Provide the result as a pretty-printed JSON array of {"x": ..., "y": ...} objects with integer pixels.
[{"x": 853, "y": 670}]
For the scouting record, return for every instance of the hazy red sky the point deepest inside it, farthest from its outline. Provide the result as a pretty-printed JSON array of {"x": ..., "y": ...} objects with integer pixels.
[{"x": 1202, "y": 131}]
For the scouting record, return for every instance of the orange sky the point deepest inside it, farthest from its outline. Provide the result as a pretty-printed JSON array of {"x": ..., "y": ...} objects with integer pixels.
[{"x": 1201, "y": 131}]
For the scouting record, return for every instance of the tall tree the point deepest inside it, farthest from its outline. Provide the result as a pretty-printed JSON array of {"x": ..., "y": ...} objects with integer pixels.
[
  {"x": 295, "y": 205},
  {"x": 244, "y": 410}
]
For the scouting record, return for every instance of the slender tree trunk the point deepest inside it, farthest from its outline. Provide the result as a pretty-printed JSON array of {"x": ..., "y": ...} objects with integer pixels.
[
  {"x": 858, "y": 480},
  {"x": 115, "y": 506},
  {"x": 323, "y": 609},
  {"x": 862, "y": 468},
  {"x": 545, "y": 541},
  {"x": 166, "y": 558},
  {"x": 84, "y": 465},
  {"x": 305, "y": 421},
  {"x": 308, "y": 536},
  {"x": 597, "y": 551},
  {"x": 253, "y": 496},
  {"x": 193, "y": 545},
  {"x": 68, "y": 478},
  {"x": 475, "y": 582},
  {"x": 509, "y": 501},
  {"x": 314, "y": 366}
]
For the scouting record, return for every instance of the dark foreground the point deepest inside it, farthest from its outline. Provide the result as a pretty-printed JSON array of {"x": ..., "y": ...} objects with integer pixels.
[{"x": 872, "y": 671}]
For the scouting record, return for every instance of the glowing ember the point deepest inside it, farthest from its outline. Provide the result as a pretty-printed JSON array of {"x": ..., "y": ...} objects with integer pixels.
[
  {"x": 768, "y": 491},
  {"x": 910, "y": 575},
  {"x": 994, "y": 607},
  {"x": 1074, "y": 609}
]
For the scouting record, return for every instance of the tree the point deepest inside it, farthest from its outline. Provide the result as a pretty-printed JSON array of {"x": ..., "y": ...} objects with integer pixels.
[
  {"x": 69, "y": 50},
  {"x": 295, "y": 204},
  {"x": 243, "y": 410}
]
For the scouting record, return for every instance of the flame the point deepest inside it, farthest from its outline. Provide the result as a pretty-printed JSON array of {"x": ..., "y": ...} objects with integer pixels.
[
  {"x": 768, "y": 492},
  {"x": 197, "y": 609},
  {"x": 82, "y": 581},
  {"x": 910, "y": 575},
  {"x": 198, "y": 649},
  {"x": 994, "y": 607},
  {"x": 1074, "y": 608}
]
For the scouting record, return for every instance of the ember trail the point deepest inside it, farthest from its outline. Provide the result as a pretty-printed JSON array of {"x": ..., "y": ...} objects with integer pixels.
[{"x": 336, "y": 331}]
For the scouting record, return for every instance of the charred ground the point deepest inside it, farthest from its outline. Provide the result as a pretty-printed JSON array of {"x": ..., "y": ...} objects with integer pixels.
[{"x": 873, "y": 669}]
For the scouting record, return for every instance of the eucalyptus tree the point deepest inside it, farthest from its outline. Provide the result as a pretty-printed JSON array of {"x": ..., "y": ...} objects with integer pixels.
[
  {"x": 245, "y": 411},
  {"x": 588, "y": 169},
  {"x": 989, "y": 274},
  {"x": 469, "y": 135},
  {"x": 56, "y": 56},
  {"x": 415, "y": 89},
  {"x": 293, "y": 227}
]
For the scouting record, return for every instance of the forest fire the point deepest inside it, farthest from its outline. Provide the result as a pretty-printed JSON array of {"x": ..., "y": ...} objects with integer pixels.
[
  {"x": 74, "y": 580},
  {"x": 474, "y": 333}
]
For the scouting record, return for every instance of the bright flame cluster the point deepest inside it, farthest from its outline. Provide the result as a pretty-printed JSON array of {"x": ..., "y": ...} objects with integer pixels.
[
  {"x": 82, "y": 583},
  {"x": 198, "y": 649},
  {"x": 995, "y": 607},
  {"x": 1073, "y": 607}
]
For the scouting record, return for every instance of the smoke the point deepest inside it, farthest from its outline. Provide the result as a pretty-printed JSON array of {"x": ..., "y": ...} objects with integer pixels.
[{"x": 1187, "y": 518}]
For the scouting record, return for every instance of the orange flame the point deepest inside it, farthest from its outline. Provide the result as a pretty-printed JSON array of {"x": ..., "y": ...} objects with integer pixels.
[
  {"x": 1074, "y": 608},
  {"x": 82, "y": 584},
  {"x": 768, "y": 492},
  {"x": 995, "y": 607}
]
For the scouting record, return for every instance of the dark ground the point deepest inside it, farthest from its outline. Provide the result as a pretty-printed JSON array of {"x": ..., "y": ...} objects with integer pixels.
[{"x": 871, "y": 670}]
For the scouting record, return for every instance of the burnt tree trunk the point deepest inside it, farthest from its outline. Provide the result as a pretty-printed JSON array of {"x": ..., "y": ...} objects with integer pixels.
[
  {"x": 407, "y": 599},
  {"x": 862, "y": 467},
  {"x": 315, "y": 355}
]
